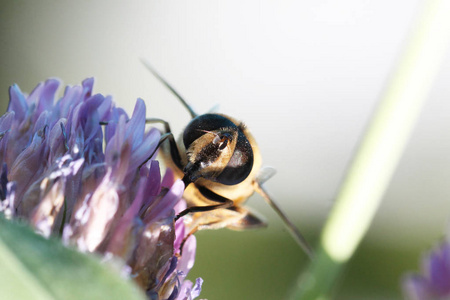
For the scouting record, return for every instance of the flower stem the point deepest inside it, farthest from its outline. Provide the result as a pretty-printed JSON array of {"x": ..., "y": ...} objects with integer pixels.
[{"x": 380, "y": 150}]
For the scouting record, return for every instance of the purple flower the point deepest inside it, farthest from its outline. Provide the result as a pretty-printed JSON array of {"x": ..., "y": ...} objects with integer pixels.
[
  {"x": 69, "y": 175},
  {"x": 434, "y": 282}
]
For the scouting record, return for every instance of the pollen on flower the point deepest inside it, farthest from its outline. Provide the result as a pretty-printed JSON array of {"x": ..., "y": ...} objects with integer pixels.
[
  {"x": 148, "y": 234},
  {"x": 165, "y": 228},
  {"x": 68, "y": 175}
]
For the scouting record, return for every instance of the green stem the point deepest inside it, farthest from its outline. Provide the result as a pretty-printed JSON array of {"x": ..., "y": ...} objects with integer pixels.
[{"x": 380, "y": 150}]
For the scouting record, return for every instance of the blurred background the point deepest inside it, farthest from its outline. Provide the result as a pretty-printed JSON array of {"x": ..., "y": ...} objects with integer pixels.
[{"x": 305, "y": 77}]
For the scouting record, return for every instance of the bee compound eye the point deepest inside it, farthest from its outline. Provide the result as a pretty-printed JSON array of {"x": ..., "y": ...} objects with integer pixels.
[
  {"x": 202, "y": 124},
  {"x": 240, "y": 164}
]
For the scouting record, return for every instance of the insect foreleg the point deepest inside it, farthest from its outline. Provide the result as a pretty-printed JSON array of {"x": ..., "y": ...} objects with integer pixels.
[
  {"x": 168, "y": 135},
  {"x": 223, "y": 203}
]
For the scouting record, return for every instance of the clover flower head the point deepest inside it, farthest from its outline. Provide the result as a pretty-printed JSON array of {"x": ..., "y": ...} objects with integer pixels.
[
  {"x": 68, "y": 175},
  {"x": 434, "y": 282}
]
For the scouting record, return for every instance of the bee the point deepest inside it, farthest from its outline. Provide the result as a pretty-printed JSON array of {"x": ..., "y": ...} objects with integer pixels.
[{"x": 220, "y": 164}]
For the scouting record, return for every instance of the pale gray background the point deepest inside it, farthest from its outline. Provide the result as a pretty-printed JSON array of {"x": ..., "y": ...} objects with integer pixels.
[{"x": 304, "y": 76}]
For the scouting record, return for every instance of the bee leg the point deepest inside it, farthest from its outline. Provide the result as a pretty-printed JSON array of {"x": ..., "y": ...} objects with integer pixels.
[
  {"x": 223, "y": 203},
  {"x": 194, "y": 209},
  {"x": 157, "y": 120},
  {"x": 168, "y": 135},
  {"x": 173, "y": 149}
]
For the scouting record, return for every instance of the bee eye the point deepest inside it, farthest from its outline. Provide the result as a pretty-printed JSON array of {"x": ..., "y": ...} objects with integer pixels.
[
  {"x": 240, "y": 164},
  {"x": 204, "y": 123}
]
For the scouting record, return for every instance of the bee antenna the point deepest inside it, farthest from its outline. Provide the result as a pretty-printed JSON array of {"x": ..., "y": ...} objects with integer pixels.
[
  {"x": 163, "y": 81},
  {"x": 207, "y": 131},
  {"x": 298, "y": 237}
]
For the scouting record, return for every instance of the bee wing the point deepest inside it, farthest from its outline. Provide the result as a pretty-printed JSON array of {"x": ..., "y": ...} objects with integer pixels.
[
  {"x": 265, "y": 174},
  {"x": 214, "y": 109},
  {"x": 249, "y": 220}
]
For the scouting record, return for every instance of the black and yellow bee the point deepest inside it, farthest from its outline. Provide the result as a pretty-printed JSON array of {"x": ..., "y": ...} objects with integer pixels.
[{"x": 220, "y": 164}]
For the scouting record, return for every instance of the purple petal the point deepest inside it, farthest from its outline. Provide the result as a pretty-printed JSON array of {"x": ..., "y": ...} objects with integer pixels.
[
  {"x": 45, "y": 95},
  {"x": 88, "y": 85},
  {"x": 6, "y": 121},
  {"x": 136, "y": 125},
  {"x": 121, "y": 244},
  {"x": 57, "y": 141},
  {"x": 89, "y": 116},
  {"x": 70, "y": 100},
  {"x": 112, "y": 117},
  {"x": 186, "y": 262},
  {"x": 189, "y": 292},
  {"x": 171, "y": 268},
  {"x": 152, "y": 186},
  {"x": 435, "y": 282},
  {"x": 180, "y": 233},
  {"x": 416, "y": 287},
  {"x": 5, "y": 125},
  {"x": 17, "y": 102},
  {"x": 27, "y": 166},
  {"x": 168, "y": 179},
  {"x": 438, "y": 268},
  {"x": 114, "y": 146},
  {"x": 41, "y": 122},
  {"x": 195, "y": 292},
  {"x": 105, "y": 109},
  {"x": 164, "y": 206},
  {"x": 143, "y": 151}
]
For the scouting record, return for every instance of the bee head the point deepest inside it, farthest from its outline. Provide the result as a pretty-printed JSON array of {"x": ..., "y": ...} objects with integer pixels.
[{"x": 216, "y": 150}]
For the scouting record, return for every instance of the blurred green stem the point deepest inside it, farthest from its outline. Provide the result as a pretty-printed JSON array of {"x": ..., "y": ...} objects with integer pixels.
[{"x": 380, "y": 150}]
